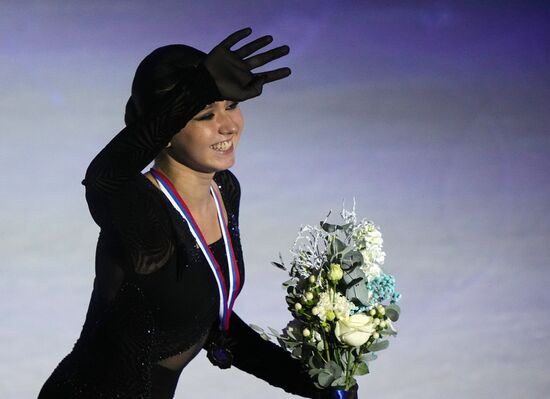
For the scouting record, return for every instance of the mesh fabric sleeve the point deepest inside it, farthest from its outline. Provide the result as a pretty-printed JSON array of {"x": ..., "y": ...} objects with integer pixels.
[
  {"x": 270, "y": 362},
  {"x": 128, "y": 215},
  {"x": 138, "y": 144}
]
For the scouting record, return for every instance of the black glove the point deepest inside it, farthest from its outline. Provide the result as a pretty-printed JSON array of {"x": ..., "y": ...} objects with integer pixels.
[{"x": 232, "y": 72}]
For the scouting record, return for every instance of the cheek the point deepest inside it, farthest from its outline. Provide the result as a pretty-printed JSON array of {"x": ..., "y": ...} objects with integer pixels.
[{"x": 238, "y": 119}]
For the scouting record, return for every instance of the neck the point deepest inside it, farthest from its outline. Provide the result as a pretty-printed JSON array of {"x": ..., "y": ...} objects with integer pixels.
[{"x": 192, "y": 186}]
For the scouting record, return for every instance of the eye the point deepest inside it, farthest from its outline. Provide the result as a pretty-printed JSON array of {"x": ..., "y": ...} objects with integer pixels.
[
  {"x": 233, "y": 105},
  {"x": 205, "y": 117}
]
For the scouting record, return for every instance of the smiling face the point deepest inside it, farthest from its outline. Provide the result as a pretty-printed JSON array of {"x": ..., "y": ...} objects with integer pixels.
[{"x": 208, "y": 142}]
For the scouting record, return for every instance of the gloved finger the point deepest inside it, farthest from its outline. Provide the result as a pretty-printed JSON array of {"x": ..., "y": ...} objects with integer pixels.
[
  {"x": 253, "y": 46},
  {"x": 235, "y": 37},
  {"x": 271, "y": 76},
  {"x": 263, "y": 58}
]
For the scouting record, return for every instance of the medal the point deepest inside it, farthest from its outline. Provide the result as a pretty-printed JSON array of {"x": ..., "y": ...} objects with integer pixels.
[
  {"x": 227, "y": 294},
  {"x": 219, "y": 353}
]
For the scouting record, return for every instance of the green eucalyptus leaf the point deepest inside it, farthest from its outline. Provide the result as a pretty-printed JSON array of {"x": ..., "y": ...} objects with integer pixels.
[
  {"x": 274, "y": 332},
  {"x": 378, "y": 346},
  {"x": 344, "y": 358},
  {"x": 282, "y": 343},
  {"x": 256, "y": 328},
  {"x": 260, "y": 331},
  {"x": 325, "y": 379},
  {"x": 315, "y": 363},
  {"x": 358, "y": 291},
  {"x": 320, "y": 346},
  {"x": 351, "y": 357},
  {"x": 356, "y": 302},
  {"x": 338, "y": 245},
  {"x": 354, "y": 282},
  {"x": 392, "y": 312},
  {"x": 279, "y": 265},
  {"x": 388, "y": 332},
  {"x": 329, "y": 228},
  {"x": 368, "y": 357},
  {"x": 362, "y": 369},
  {"x": 346, "y": 226},
  {"x": 289, "y": 282},
  {"x": 334, "y": 368},
  {"x": 297, "y": 352},
  {"x": 339, "y": 382},
  {"x": 352, "y": 258},
  {"x": 313, "y": 372}
]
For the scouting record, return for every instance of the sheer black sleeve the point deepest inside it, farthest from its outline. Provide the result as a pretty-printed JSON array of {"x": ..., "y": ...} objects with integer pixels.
[
  {"x": 270, "y": 362},
  {"x": 138, "y": 144},
  {"x": 122, "y": 205}
]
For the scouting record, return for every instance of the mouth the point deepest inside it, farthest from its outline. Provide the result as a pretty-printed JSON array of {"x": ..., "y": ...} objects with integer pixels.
[{"x": 222, "y": 146}]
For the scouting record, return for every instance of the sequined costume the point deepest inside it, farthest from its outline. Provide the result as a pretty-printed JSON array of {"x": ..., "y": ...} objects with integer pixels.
[{"x": 154, "y": 298}]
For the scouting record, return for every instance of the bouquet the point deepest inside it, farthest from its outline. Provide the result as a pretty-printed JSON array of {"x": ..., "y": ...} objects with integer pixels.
[{"x": 343, "y": 304}]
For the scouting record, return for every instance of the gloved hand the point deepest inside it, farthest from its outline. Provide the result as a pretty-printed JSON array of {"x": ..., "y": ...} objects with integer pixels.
[{"x": 231, "y": 70}]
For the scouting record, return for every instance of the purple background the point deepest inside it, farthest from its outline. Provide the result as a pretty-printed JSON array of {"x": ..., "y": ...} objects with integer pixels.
[{"x": 433, "y": 115}]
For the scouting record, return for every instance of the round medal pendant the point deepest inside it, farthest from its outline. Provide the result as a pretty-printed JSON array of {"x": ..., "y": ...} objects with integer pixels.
[{"x": 219, "y": 355}]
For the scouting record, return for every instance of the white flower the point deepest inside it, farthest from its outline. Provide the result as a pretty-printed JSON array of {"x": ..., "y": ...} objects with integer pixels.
[
  {"x": 335, "y": 302},
  {"x": 373, "y": 254},
  {"x": 317, "y": 340},
  {"x": 369, "y": 241},
  {"x": 373, "y": 237},
  {"x": 371, "y": 270},
  {"x": 342, "y": 306},
  {"x": 355, "y": 330},
  {"x": 315, "y": 336}
]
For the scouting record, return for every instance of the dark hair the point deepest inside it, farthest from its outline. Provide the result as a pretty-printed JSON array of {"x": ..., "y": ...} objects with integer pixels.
[{"x": 157, "y": 73}]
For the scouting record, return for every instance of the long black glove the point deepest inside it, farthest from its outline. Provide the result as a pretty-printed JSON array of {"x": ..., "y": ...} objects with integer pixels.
[
  {"x": 231, "y": 70},
  {"x": 224, "y": 74}
]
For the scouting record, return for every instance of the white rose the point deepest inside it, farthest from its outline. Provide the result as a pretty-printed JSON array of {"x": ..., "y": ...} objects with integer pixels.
[{"x": 355, "y": 330}]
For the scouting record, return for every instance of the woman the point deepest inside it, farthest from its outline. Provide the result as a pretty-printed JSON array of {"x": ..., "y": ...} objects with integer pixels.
[{"x": 168, "y": 262}]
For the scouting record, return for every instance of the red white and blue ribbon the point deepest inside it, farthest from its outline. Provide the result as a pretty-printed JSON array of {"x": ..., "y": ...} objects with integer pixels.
[{"x": 227, "y": 294}]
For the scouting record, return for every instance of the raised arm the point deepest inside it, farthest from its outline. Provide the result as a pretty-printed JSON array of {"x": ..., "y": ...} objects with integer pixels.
[
  {"x": 139, "y": 143},
  {"x": 223, "y": 74}
]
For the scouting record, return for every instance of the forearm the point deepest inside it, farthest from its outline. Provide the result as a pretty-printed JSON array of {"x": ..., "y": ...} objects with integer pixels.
[
  {"x": 139, "y": 143},
  {"x": 265, "y": 360}
]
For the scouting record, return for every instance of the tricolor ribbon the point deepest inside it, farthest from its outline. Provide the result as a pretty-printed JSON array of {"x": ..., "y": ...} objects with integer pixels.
[{"x": 227, "y": 294}]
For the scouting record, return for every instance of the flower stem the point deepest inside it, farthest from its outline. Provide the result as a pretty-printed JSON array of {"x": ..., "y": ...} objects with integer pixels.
[
  {"x": 349, "y": 370},
  {"x": 325, "y": 340}
]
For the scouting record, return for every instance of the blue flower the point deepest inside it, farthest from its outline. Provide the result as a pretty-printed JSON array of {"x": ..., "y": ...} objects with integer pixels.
[{"x": 382, "y": 289}]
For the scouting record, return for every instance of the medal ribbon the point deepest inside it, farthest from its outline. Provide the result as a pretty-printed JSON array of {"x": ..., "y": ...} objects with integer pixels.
[{"x": 227, "y": 296}]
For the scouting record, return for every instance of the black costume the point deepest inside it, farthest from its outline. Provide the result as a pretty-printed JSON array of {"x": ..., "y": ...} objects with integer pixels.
[{"x": 154, "y": 297}]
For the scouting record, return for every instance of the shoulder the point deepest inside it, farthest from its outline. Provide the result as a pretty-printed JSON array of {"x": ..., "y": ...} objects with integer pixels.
[
  {"x": 138, "y": 203},
  {"x": 229, "y": 184},
  {"x": 231, "y": 190}
]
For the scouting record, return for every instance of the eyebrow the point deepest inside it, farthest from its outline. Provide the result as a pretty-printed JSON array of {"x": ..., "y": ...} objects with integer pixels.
[{"x": 209, "y": 106}]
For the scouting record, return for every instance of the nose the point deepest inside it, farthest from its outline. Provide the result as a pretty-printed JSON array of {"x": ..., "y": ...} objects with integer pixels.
[{"x": 227, "y": 125}]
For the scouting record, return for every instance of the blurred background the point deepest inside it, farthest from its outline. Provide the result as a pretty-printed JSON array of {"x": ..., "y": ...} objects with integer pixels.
[{"x": 433, "y": 115}]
